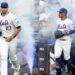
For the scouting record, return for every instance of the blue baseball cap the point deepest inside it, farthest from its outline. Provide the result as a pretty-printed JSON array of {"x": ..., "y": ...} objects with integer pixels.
[
  {"x": 4, "y": 5},
  {"x": 63, "y": 10}
]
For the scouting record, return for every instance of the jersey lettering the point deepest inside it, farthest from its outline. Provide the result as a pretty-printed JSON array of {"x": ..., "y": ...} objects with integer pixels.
[
  {"x": 61, "y": 27},
  {"x": 3, "y": 22}
]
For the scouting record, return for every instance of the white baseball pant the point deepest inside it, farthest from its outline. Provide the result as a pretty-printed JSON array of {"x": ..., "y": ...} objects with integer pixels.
[
  {"x": 62, "y": 45},
  {"x": 5, "y": 49}
]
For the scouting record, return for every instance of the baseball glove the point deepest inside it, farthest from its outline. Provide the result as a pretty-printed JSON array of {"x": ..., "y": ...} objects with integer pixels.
[{"x": 58, "y": 34}]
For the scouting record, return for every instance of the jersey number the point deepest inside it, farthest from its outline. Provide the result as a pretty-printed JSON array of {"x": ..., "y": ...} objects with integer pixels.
[{"x": 8, "y": 27}]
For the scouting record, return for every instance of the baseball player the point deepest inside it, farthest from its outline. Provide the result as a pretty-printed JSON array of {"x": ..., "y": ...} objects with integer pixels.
[
  {"x": 10, "y": 27},
  {"x": 66, "y": 26}
]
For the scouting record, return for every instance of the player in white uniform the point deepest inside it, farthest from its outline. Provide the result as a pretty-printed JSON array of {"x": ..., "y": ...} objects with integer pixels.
[
  {"x": 64, "y": 43},
  {"x": 10, "y": 27}
]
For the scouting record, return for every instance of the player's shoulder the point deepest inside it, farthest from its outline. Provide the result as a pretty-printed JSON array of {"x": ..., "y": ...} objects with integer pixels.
[
  {"x": 69, "y": 20},
  {"x": 12, "y": 15}
]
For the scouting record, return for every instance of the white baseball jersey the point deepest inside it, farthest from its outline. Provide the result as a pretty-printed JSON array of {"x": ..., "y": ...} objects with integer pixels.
[
  {"x": 65, "y": 45},
  {"x": 65, "y": 25},
  {"x": 8, "y": 24}
]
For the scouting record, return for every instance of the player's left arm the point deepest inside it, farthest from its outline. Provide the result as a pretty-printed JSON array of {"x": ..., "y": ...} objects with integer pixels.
[
  {"x": 71, "y": 29},
  {"x": 17, "y": 25},
  {"x": 17, "y": 30}
]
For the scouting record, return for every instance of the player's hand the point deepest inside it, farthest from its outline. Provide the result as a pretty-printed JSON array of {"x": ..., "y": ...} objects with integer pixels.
[
  {"x": 55, "y": 66},
  {"x": 65, "y": 32},
  {"x": 8, "y": 39}
]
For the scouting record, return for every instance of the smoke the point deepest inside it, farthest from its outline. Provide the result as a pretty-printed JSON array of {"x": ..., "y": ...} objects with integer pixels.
[
  {"x": 24, "y": 10},
  {"x": 28, "y": 42}
]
